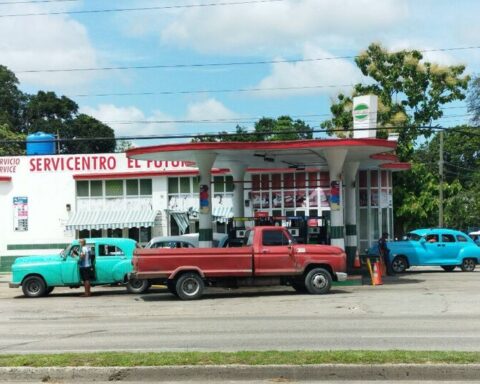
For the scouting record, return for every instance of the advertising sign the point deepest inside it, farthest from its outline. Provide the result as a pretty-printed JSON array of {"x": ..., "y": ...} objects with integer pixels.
[{"x": 20, "y": 214}]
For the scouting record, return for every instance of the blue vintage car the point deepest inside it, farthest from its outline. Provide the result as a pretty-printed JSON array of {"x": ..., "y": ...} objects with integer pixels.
[
  {"x": 38, "y": 275},
  {"x": 446, "y": 248}
]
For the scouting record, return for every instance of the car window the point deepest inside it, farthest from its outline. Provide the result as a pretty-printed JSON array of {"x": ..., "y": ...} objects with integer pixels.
[
  {"x": 275, "y": 238},
  {"x": 461, "y": 238},
  {"x": 249, "y": 237},
  {"x": 171, "y": 244},
  {"x": 431, "y": 238},
  {"x": 412, "y": 237},
  {"x": 448, "y": 238},
  {"x": 109, "y": 250}
]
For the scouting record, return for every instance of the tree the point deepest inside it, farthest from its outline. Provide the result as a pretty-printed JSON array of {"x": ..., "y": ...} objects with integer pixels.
[
  {"x": 473, "y": 100},
  {"x": 266, "y": 129},
  {"x": 84, "y": 126},
  {"x": 11, "y": 100},
  {"x": 10, "y": 148},
  {"x": 411, "y": 93}
]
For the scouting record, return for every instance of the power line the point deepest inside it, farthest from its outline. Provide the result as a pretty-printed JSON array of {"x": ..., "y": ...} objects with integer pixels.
[
  {"x": 218, "y": 64},
  {"x": 238, "y": 90},
  {"x": 34, "y": 2},
  {"x": 163, "y": 7},
  {"x": 202, "y": 135}
]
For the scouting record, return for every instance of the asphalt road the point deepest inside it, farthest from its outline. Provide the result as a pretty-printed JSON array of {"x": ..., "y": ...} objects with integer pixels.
[{"x": 426, "y": 309}]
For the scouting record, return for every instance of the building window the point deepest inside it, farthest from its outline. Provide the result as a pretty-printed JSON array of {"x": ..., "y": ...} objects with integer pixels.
[
  {"x": 83, "y": 189},
  {"x": 132, "y": 187},
  {"x": 114, "y": 188}
]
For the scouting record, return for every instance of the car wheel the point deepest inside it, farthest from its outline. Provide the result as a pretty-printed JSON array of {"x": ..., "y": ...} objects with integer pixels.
[
  {"x": 137, "y": 286},
  {"x": 171, "y": 287},
  {"x": 468, "y": 265},
  {"x": 49, "y": 290},
  {"x": 34, "y": 286},
  {"x": 399, "y": 264},
  {"x": 448, "y": 268},
  {"x": 189, "y": 286},
  {"x": 318, "y": 281}
]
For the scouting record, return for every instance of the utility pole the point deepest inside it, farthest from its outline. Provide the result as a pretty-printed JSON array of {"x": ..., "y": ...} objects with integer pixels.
[{"x": 440, "y": 190}]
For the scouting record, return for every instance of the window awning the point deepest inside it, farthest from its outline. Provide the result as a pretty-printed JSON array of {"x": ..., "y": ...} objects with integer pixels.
[
  {"x": 182, "y": 220},
  {"x": 222, "y": 214},
  {"x": 103, "y": 219}
]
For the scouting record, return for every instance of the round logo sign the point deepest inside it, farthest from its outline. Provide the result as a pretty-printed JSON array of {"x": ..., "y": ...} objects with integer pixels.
[{"x": 360, "y": 112}]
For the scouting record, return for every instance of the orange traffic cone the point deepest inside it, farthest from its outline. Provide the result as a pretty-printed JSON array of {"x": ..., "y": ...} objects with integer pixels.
[
  {"x": 356, "y": 261},
  {"x": 377, "y": 274}
]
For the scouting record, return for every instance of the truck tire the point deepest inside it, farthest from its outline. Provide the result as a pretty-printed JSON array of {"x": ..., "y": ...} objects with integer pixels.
[
  {"x": 189, "y": 286},
  {"x": 137, "y": 286},
  {"x": 468, "y": 265},
  {"x": 318, "y": 281},
  {"x": 34, "y": 286}
]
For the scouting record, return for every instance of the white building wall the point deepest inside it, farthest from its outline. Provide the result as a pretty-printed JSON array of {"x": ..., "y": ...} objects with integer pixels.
[{"x": 49, "y": 184}]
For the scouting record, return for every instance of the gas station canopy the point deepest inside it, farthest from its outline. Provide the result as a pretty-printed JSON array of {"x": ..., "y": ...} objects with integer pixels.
[{"x": 299, "y": 154}]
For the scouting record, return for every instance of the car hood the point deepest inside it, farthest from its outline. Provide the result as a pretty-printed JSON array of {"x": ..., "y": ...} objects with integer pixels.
[{"x": 37, "y": 259}]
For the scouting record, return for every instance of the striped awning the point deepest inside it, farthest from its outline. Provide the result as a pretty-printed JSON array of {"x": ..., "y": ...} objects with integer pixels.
[
  {"x": 103, "y": 219},
  {"x": 182, "y": 220},
  {"x": 222, "y": 214}
]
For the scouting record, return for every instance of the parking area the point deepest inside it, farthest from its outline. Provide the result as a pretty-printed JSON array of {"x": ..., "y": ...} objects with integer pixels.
[{"x": 424, "y": 309}]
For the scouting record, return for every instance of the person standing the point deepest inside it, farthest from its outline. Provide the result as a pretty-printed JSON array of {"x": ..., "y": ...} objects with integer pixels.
[
  {"x": 85, "y": 263},
  {"x": 384, "y": 253}
]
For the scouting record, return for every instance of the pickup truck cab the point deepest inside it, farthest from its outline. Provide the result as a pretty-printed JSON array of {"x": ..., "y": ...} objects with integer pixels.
[
  {"x": 270, "y": 257},
  {"x": 39, "y": 275}
]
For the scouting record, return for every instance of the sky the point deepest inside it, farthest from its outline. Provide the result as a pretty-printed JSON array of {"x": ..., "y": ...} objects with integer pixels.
[{"x": 185, "y": 95}]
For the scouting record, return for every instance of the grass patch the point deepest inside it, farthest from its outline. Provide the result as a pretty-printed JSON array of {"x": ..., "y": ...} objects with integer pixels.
[{"x": 127, "y": 359}]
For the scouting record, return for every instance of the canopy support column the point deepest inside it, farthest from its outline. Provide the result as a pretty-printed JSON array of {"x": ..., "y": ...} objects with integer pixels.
[
  {"x": 238, "y": 174},
  {"x": 204, "y": 161},
  {"x": 350, "y": 174},
  {"x": 335, "y": 159}
]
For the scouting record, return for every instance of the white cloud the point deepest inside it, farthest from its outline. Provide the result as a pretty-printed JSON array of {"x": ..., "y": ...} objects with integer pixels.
[
  {"x": 342, "y": 73},
  {"x": 210, "y": 109},
  {"x": 131, "y": 121},
  {"x": 285, "y": 25},
  {"x": 45, "y": 42}
]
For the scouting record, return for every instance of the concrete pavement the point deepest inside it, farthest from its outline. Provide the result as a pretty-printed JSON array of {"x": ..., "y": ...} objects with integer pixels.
[{"x": 426, "y": 309}]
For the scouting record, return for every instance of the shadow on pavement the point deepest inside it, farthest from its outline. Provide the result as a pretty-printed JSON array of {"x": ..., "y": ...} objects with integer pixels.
[{"x": 217, "y": 293}]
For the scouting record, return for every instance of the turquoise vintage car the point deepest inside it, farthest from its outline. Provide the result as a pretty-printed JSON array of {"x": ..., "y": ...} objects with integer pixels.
[
  {"x": 447, "y": 248},
  {"x": 38, "y": 275}
]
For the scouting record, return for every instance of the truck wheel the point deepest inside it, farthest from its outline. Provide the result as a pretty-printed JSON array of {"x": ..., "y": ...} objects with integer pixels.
[
  {"x": 189, "y": 286},
  {"x": 171, "y": 287},
  {"x": 34, "y": 286},
  {"x": 399, "y": 264},
  {"x": 468, "y": 265},
  {"x": 318, "y": 281},
  {"x": 137, "y": 286},
  {"x": 448, "y": 268}
]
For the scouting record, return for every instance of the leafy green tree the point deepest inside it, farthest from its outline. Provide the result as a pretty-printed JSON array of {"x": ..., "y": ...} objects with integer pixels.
[
  {"x": 474, "y": 100},
  {"x": 12, "y": 100},
  {"x": 84, "y": 126},
  {"x": 266, "y": 129},
  {"x": 11, "y": 148},
  {"x": 411, "y": 94}
]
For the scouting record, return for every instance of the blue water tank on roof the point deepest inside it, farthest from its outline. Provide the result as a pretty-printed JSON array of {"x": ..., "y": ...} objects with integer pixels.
[{"x": 40, "y": 143}]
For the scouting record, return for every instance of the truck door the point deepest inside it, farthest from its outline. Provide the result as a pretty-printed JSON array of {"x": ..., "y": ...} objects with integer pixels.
[{"x": 274, "y": 256}]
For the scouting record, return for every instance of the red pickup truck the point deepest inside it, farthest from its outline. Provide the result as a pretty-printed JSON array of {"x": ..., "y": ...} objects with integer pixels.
[{"x": 270, "y": 257}]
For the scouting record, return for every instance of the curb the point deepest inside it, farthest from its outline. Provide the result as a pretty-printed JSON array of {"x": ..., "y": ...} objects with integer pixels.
[{"x": 417, "y": 372}]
